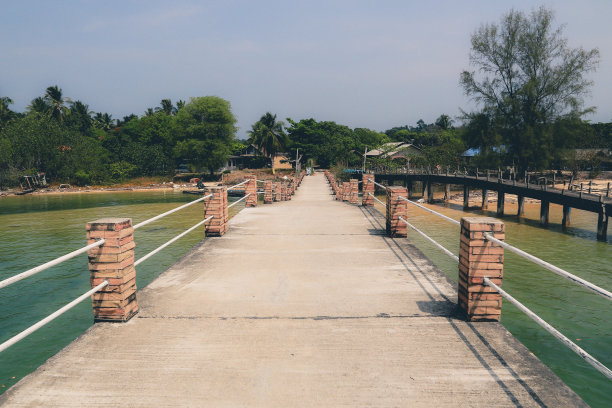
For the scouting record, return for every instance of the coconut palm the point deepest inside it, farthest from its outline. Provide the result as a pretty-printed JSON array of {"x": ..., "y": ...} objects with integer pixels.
[
  {"x": 57, "y": 102},
  {"x": 39, "y": 105},
  {"x": 103, "y": 121},
  {"x": 268, "y": 135},
  {"x": 80, "y": 115},
  {"x": 166, "y": 107}
]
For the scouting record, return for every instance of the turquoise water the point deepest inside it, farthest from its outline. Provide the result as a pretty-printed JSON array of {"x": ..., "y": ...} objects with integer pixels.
[
  {"x": 581, "y": 315},
  {"x": 38, "y": 228}
]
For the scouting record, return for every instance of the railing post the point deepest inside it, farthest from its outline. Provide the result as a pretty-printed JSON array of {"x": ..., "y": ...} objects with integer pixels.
[
  {"x": 346, "y": 189},
  {"x": 216, "y": 206},
  {"x": 367, "y": 188},
  {"x": 396, "y": 208},
  {"x": 278, "y": 194},
  {"x": 479, "y": 258},
  {"x": 353, "y": 191},
  {"x": 284, "y": 190},
  {"x": 114, "y": 262},
  {"x": 268, "y": 195},
  {"x": 251, "y": 188}
]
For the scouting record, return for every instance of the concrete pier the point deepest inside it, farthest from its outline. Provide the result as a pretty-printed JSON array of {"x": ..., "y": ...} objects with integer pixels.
[{"x": 301, "y": 303}]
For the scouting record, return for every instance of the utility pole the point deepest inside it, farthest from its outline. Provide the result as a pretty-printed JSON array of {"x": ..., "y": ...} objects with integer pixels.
[{"x": 365, "y": 151}]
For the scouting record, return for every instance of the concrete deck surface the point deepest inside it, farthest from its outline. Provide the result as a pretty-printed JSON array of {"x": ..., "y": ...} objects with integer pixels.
[{"x": 303, "y": 303}]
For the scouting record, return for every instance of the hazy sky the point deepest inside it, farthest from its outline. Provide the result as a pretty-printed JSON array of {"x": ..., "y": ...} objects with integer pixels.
[{"x": 374, "y": 64}]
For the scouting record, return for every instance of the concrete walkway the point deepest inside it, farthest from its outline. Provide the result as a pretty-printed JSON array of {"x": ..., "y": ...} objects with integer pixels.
[{"x": 303, "y": 303}]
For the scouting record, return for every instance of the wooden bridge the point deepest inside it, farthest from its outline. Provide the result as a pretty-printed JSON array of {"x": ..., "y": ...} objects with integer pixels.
[
  {"x": 569, "y": 199},
  {"x": 307, "y": 303}
]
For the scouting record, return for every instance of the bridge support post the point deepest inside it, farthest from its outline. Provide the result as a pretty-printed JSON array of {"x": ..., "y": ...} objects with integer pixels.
[
  {"x": 114, "y": 262},
  {"x": 217, "y": 207},
  {"x": 251, "y": 188},
  {"x": 479, "y": 258},
  {"x": 602, "y": 224},
  {"x": 430, "y": 196},
  {"x": 367, "y": 181},
  {"x": 544, "y": 212},
  {"x": 521, "y": 206},
  {"x": 485, "y": 200},
  {"x": 447, "y": 192},
  {"x": 396, "y": 208},
  {"x": 565, "y": 222},
  {"x": 501, "y": 198},
  {"x": 409, "y": 187},
  {"x": 268, "y": 194},
  {"x": 278, "y": 195},
  {"x": 466, "y": 197},
  {"x": 353, "y": 191}
]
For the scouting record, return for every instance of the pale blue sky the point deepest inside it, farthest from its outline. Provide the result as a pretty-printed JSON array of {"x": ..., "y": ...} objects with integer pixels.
[{"x": 374, "y": 64}]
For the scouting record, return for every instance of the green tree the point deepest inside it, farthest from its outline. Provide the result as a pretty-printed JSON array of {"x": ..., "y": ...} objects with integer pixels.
[
  {"x": 528, "y": 77},
  {"x": 38, "y": 105},
  {"x": 268, "y": 135},
  {"x": 207, "y": 129},
  {"x": 166, "y": 107},
  {"x": 79, "y": 117},
  {"x": 6, "y": 114},
  {"x": 57, "y": 103},
  {"x": 103, "y": 121}
]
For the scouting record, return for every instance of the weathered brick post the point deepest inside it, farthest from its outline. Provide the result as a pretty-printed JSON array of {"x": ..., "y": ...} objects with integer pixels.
[
  {"x": 479, "y": 258},
  {"x": 353, "y": 191},
  {"x": 284, "y": 191},
  {"x": 346, "y": 190},
  {"x": 277, "y": 191},
  {"x": 251, "y": 188},
  {"x": 114, "y": 262},
  {"x": 268, "y": 194},
  {"x": 217, "y": 207},
  {"x": 396, "y": 208},
  {"x": 338, "y": 190},
  {"x": 367, "y": 181}
]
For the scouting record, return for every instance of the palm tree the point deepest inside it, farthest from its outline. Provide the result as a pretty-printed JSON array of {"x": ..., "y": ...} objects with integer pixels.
[
  {"x": 149, "y": 112},
  {"x": 268, "y": 135},
  {"x": 5, "y": 112},
  {"x": 180, "y": 104},
  {"x": 103, "y": 121},
  {"x": 39, "y": 105},
  {"x": 57, "y": 103},
  {"x": 166, "y": 107},
  {"x": 80, "y": 115}
]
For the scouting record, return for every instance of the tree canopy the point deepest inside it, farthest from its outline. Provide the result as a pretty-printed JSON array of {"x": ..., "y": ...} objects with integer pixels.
[
  {"x": 527, "y": 78},
  {"x": 269, "y": 135}
]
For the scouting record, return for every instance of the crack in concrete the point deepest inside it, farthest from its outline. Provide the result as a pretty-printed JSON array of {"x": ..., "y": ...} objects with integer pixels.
[{"x": 321, "y": 317}]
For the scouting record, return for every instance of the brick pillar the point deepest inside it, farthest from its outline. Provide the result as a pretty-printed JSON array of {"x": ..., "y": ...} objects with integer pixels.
[
  {"x": 284, "y": 192},
  {"x": 268, "y": 194},
  {"x": 277, "y": 191},
  {"x": 251, "y": 188},
  {"x": 114, "y": 262},
  {"x": 346, "y": 190},
  {"x": 338, "y": 190},
  {"x": 217, "y": 207},
  {"x": 367, "y": 187},
  {"x": 396, "y": 208},
  {"x": 353, "y": 191},
  {"x": 479, "y": 258}
]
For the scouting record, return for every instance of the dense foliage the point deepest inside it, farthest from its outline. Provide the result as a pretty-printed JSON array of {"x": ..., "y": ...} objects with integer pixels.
[{"x": 531, "y": 84}]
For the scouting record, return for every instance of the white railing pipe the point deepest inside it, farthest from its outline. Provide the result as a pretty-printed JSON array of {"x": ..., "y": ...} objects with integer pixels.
[
  {"x": 430, "y": 210},
  {"x": 571, "y": 345},
  {"x": 237, "y": 201},
  {"x": 446, "y": 251},
  {"x": 157, "y": 217},
  {"x": 51, "y": 317},
  {"x": 56, "y": 261},
  {"x": 376, "y": 198}
]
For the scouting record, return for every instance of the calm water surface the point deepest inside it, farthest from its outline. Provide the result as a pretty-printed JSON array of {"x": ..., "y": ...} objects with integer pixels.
[
  {"x": 581, "y": 315},
  {"x": 36, "y": 229}
]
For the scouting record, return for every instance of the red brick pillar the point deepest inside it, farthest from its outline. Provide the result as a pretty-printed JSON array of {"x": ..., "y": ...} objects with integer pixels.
[
  {"x": 367, "y": 188},
  {"x": 113, "y": 262},
  {"x": 251, "y": 188},
  {"x": 346, "y": 190},
  {"x": 278, "y": 196},
  {"x": 284, "y": 191},
  {"x": 338, "y": 190},
  {"x": 479, "y": 258},
  {"x": 353, "y": 191},
  {"x": 216, "y": 206},
  {"x": 396, "y": 208},
  {"x": 268, "y": 194}
]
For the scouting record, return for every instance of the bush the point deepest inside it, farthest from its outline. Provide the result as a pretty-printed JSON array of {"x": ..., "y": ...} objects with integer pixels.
[{"x": 81, "y": 178}]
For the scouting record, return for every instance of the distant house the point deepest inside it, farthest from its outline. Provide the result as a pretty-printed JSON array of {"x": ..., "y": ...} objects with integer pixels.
[
  {"x": 252, "y": 156},
  {"x": 472, "y": 152},
  {"x": 395, "y": 151},
  {"x": 281, "y": 161}
]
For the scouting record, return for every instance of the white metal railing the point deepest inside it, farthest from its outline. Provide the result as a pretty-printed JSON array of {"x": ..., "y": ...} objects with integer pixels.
[
  {"x": 157, "y": 217},
  {"x": 430, "y": 210},
  {"x": 239, "y": 184},
  {"x": 573, "y": 278},
  {"x": 570, "y": 344},
  {"x": 51, "y": 317},
  {"x": 182, "y": 234},
  {"x": 237, "y": 201},
  {"x": 56, "y": 261},
  {"x": 376, "y": 198},
  {"x": 446, "y": 251},
  {"x": 379, "y": 185}
]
